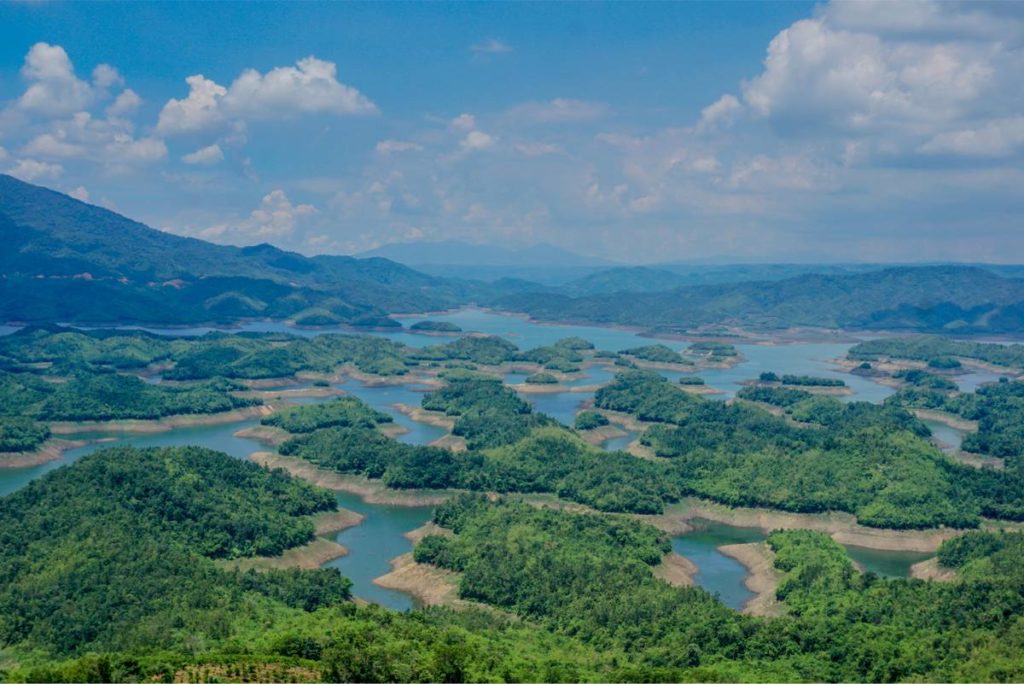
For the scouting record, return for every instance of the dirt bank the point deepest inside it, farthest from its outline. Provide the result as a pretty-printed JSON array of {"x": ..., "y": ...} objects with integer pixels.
[
  {"x": 430, "y": 585},
  {"x": 371, "y": 491},
  {"x": 843, "y": 527},
  {"x": 955, "y": 422},
  {"x": 931, "y": 570},
  {"x": 164, "y": 424},
  {"x": 763, "y": 580},
  {"x": 675, "y": 570}
]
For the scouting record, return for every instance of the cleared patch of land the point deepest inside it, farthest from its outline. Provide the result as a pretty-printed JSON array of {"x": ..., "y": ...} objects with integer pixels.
[{"x": 763, "y": 578}]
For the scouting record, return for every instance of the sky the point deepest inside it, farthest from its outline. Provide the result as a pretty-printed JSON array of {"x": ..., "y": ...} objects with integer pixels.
[{"x": 644, "y": 133}]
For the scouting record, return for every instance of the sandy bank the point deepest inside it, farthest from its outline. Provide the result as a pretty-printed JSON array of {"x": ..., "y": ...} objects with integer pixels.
[
  {"x": 451, "y": 443},
  {"x": 264, "y": 434},
  {"x": 371, "y": 491},
  {"x": 553, "y": 388},
  {"x": 51, "y": 450},
  {"x": 336, "y": 521},
  {"x": 600, "y": 435},
  {"x": 675, "y": 570},
  {"x": 287, "y": 394},
  {"x": 955, "y": 422},
  {"x": 430, "y": 585},
  {"x": 164, "y": 424},
  {"x": 306, "y": 557},
  {"x": 931, "y": 570},
  {"x": 763, "y": 580},
  {"x": 842, "y": 527},
  {"x": 422, "y": 415}
]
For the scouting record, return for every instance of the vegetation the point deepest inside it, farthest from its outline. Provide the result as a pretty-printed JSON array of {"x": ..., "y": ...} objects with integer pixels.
[
  {"x": 691, "y": 380},
  {"x": 590, "y": 577},
  {"x": 872, "y": 461},
  {"x": 588, "y": 420},
  {"x": 656, "y": 353},
  {"x": 541, "y": 379},
  {"x": 938, "y": 349},
  {"x": 340, "y": 412},
  {"x": 21, "y": 434},
  {"x": 922, "y": 299},
  {"x": 435, "y": 326}
]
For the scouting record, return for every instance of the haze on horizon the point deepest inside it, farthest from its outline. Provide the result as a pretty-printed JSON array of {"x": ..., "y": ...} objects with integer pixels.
[{"x": 841, "y": 131}]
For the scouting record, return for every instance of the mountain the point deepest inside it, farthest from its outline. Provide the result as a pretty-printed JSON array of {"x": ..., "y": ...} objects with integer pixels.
[
  {"x": 66, "y": 260},
  {"x": 960, "y": 299},
  {"x": 458, "y": 253}
]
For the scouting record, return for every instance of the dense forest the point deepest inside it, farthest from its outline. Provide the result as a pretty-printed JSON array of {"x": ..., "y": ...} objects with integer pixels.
[{"x": 590, "y": 577}]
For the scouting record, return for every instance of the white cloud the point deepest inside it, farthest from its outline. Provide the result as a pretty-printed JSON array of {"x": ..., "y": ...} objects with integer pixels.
[
  {"x": 51, "y": 145},
  {"x": 477, "y": 140},
  {"x": 998, "y": 138},
  {"x": 3, "y": 153},
  {"x": 558, "y": 110},
  {"x": 105, "y": 76},
  {"x": 211, "y": 154},
  {"x": 199, "y": 110},
  {"x": 79, "y": 193},
  {"x": 491, "y": 46},
  {"x": 395, "y": 146},
  {"x": 276, "y": 219},
  {"x": 125, "y": 104},
  {"x": 53, "y": 89},
  {"x": 30, "y": 170},
  {"x": 311, "y": 86},
  {"x": 464, "y": 122},
  {"x": 124, "y": 149},
  {"x": 722, "y": 111}
]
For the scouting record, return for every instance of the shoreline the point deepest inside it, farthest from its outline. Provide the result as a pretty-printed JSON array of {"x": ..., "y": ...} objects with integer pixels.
[
  {"x": 947, "y": 419},
  {"x": 762, "y": 577},
  {"x": 51, "y": 450},
  {"x": 370, "y": 491},
  {"x": 165, "y": 424},
  {"x": 676, "y": 570},
  {"x": 842, "y": 527}
]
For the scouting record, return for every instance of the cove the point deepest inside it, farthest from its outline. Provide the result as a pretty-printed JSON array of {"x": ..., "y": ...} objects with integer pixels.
[{"x": 722, "y": 575}]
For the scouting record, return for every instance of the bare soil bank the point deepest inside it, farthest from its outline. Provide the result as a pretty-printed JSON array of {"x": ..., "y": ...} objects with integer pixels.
[
  {"x": 371, "y": 491},
  {"x": 763, "y": 580},
  {"x": 843, "y": 527},
  {"x": 676, "y": 570}
]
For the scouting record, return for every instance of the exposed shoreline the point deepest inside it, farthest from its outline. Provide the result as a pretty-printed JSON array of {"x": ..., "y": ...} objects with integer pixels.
[
  {"x": 762, "y": 578},
  {"x": 842, "y": 527},
  {"x": 370, "y": 491},
  {"x": 163, "y": 424},
  {"x": 313, "y": 554},
  {"x": 676, "y": 570}
]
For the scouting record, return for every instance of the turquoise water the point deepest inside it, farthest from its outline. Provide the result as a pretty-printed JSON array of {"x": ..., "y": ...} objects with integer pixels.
[
  {"x": 886, "y": 563},
  {"x": 946, "y": 437},
  {"x": 373, "y": 543},
  {"x": 618, "y": 443},
  {"x": 383, "y": 398},
  {"x": 717, "y": 573},
  {"x": 970, "y": 381}
]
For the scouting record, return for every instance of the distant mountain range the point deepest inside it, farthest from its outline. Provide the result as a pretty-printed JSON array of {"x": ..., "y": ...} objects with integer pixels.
[
  {"x": 67, "y": 261},
  {"x": 951, "y": 298}
]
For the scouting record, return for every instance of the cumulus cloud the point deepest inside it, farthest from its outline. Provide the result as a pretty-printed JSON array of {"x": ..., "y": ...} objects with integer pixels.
[
  {"x": 311, "y": 86},
  {"x": 275, "y": 219},
  {"x": 198, "y": 110},
  {"x": 79, "y": 193},
  {"x": 464, "y": 122},
  {"x": 477, "y": 140},
  {"x": 899, "y": 74},
  {"x": 30, "y": 170},
  {"x": 998, "y": 138},
  {"x": 53, "y": 145},
  {"x": 722, "y": 111},
  {"x": 125, "y": 104},
  {"x": 206, "y": 156},
  {"x": 53, "y": 89}
]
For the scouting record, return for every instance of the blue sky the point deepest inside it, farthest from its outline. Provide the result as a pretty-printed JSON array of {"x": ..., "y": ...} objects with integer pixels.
[{"x": 641, "y": 132}]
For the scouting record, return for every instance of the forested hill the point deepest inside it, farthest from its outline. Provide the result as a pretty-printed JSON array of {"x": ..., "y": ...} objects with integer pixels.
[
  {"x": 960, "y": 299},
  {"x": 67, "y": 260}
]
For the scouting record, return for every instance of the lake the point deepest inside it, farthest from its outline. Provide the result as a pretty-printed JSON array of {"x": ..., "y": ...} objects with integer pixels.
[{"x": 380, "y": 537}]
